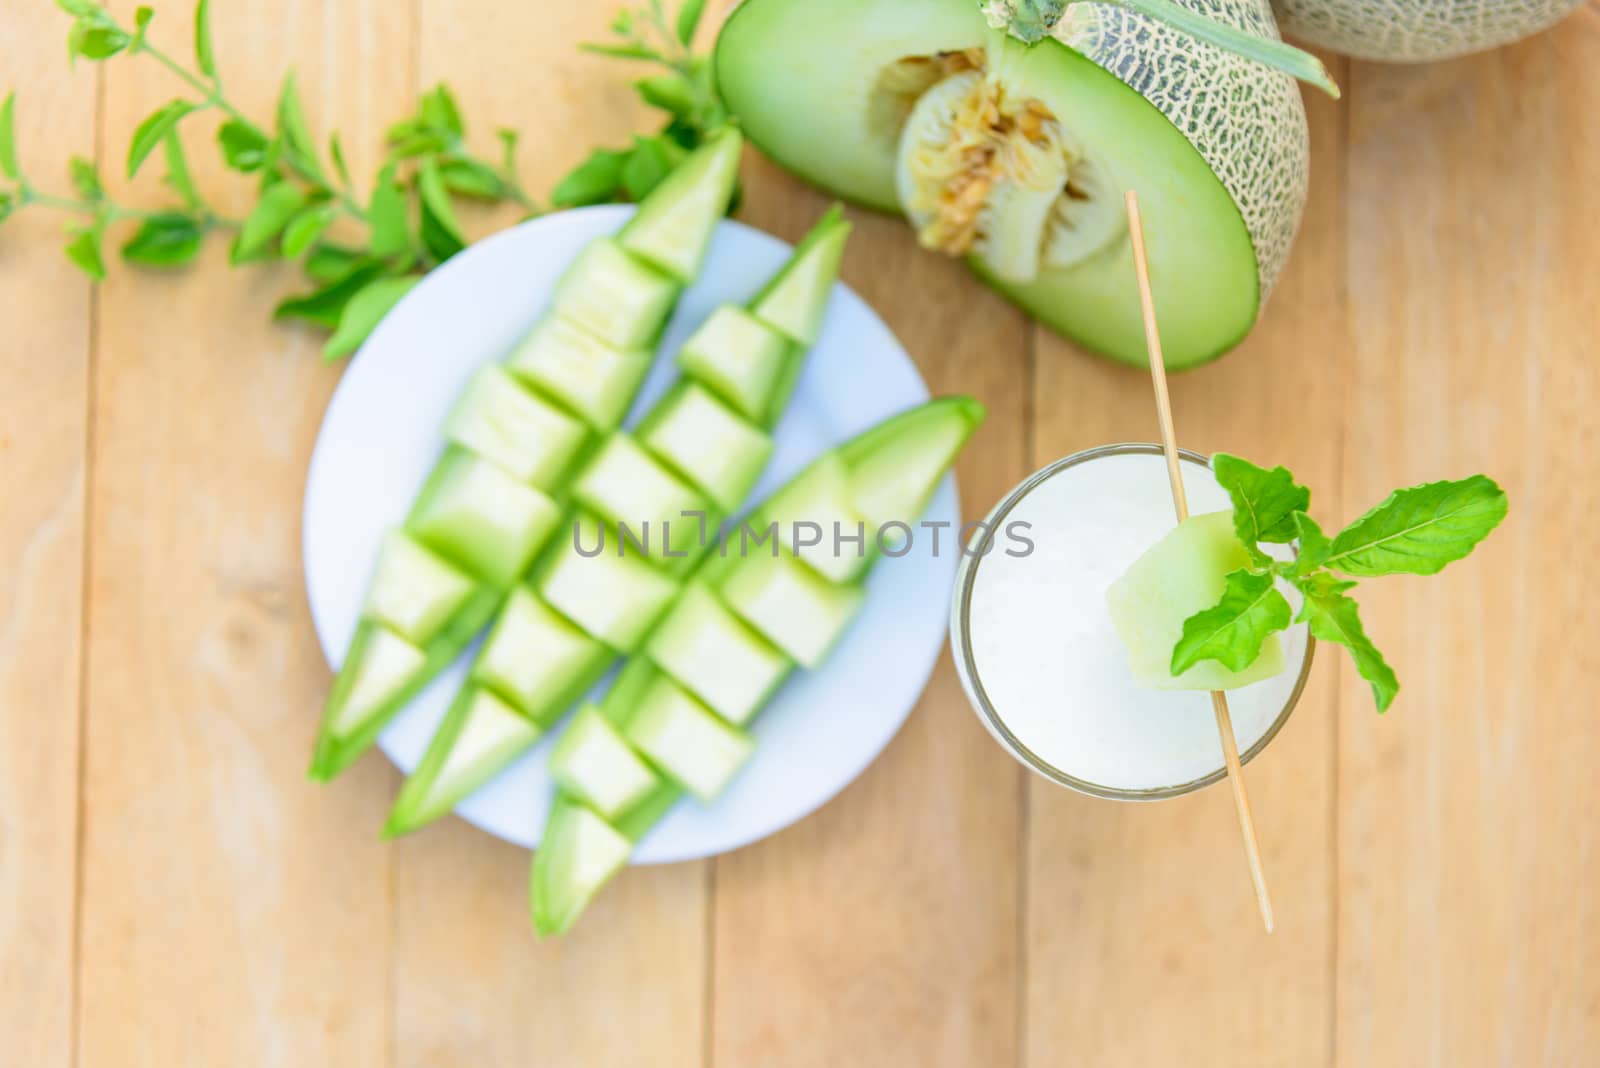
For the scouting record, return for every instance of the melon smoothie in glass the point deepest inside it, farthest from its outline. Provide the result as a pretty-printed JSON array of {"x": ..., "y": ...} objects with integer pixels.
[{"x": 1039, "y": 653}]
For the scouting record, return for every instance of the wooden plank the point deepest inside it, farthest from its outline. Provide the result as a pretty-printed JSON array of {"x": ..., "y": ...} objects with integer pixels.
[
  {"x": 471, "y": 983},
  {"x": 233, "y": 913},
  {"x": 1469, "y": 930},
  {"x": 1141, "y": 913},
  {"x": 883, "y": 929},
  {"x": 46, "y": 307}
]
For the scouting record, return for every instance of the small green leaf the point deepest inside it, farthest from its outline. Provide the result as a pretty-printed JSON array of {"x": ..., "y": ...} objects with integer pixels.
[
  {"x": 323, "y": 306},
  {"x": 669, "y": 92},
  {"x": 8, "y": 204},
  {"x": 330, "y": 263},
  {"x": 472, "y": 179},
  {"x": 441, "y": 232},
  {"x": 689, "y": 18},
  {"x": 165, "y": 240},
  {"x": 439, "y": 111},
  {"x": 594, "y": 181},
  {"x": 78, "y": 8},
  {"x": 620, "y": 51},
  {"x": 1264, "y": 502},
  {"x": 508, "y": 149},
  {"x": 1335, "y": 617},
  {"x": 245, "y": 147},
  {"x": 272, "y": 213},
  {"x": 1314, "y": 545},
  {"x": 85, "y": 178},
  {"x": 304, "y": 229},
  {"x": 178, "y": 178},
  {"x": 203, "y": 54},
  {"x": 387, "y": 220},
  {"x": 8, "y": 137},
  {"x": 1234, "y": 629},
  {"x": 1419, "y": 530},
  {"x": 418, "y": 144},
  {"x": 84, "y": 250},
  {"x": 94, "y": 40},
  {"x": 650, "y": 160},
  {"x": 300, "y": 148},
  {"x": 336, "y": 152},
  {"x": 152, "y": 130},
  {"x": 364, "y": 312},
  {"x": 141, "y": 22}
]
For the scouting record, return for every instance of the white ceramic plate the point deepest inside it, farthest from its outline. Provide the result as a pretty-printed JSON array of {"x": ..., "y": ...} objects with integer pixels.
[{"x": 380, "y": 437}]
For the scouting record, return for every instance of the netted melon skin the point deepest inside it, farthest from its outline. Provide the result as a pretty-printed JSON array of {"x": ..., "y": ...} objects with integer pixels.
[
  {"x": 1415, "y": 31},
  {"x": 1247, "y": 122}
]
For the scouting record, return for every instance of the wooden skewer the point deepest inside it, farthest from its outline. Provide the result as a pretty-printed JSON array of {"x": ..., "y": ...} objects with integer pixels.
[{"x": 1180, "y": 503}]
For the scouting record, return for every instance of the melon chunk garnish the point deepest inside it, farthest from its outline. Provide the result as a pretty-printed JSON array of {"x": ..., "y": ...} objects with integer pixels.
[{"x": 1176, "y": 577}]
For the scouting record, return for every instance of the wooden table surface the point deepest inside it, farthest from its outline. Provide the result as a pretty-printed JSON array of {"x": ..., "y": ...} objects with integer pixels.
[{"x": 174, "y": 892}]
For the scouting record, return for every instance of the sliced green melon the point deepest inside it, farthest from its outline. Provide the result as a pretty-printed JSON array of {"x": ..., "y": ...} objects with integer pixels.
[
  {"x": 791, "y": 605},
  {"x": 480, "y": 735},
  {"x": 384, "y": 664},
  {"x": 614, "y": 295},
  {"x": 796, "y": 298},
  {"x": 707, "y": 443},
  {"x": 1176, "y": 577},
  {"x": 537, "y": 659},
  {"x": 584, "y": 373},
  {"x": 414, "y": 591},
  {"x": 686, "y": 740},
  {"x": 500, "y": 420},
  {"x": 481, "y": 519},
  {"x": 817, "y": 519},
  {"x": 594, "y": 764},
  {"x": 895, "y": 467},
  {"x": 878, "y": 101},
  {"x": 713, "y": 655},
  {"x": 622, "y": 482},
  {"x": 739, "y": 357},
  {"x": 615, "y": 597},
  {"x": 578, "y": 854},
  {"x": 1416, "y": 31},
  {"x": 673, "y": 226}
]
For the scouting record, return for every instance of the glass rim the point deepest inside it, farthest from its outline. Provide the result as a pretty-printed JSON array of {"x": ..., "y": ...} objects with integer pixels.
[{"x": 978, "y": 698}]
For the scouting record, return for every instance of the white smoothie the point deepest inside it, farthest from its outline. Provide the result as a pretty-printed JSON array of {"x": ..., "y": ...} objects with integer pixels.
[{"x": 1044, "y": 652}]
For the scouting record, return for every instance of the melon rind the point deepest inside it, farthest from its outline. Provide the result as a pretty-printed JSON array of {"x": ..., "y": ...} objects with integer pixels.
[{"x": 1413, "y": 31}]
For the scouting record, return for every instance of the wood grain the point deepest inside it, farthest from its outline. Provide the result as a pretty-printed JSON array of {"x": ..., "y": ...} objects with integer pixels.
[
  {"x": 233, "y": 913},
  {"x": 1468, "y": 922},
  {"x": 471, "y": 983},
  {"x": 1144, "y": 913},
  {"x": 45, "y": 306}
]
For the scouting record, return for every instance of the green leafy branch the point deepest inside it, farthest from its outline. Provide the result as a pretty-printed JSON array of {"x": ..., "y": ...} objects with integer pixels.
[
  {"x": 361, "y": 246},
  {"x": 1414, "y": 531}
]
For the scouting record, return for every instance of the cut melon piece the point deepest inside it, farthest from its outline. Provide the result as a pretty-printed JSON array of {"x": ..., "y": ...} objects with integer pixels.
[
  {"x": 480, "y": 736},
  {"x": 615, "y": 296},
  {"x": 625, "y": 484},
  {"x": 819, "y": 499},
  {"x": 481, "y": 519},
  {"x": 702, "y": 439},
  {"x": 528, "y": 436},
  {"x": 685, "y": 740},
  {"x": 795, "y": 300},
  {"x": 1176, "y": 577},
  {"x": 674, "y": 224},
  {"x": 579, "y": 370},
  {"x": 615, "y": 598},
  {"x": 579, "y": 853},
  {"x": 538, "y": 660},
  {"x": 1215, "y": 145},
  {"x": 593, "y": 763},
  {"x": 414, "y": 591},
  {"x": 792, "y": 606},
  {"x": 740, "y": 358},
  {"x": 716, "y": 657},
  {"x": 385, "y": 665},
  {"x": 895, "y": 467},
  {"x": 1416, "y": 31}
]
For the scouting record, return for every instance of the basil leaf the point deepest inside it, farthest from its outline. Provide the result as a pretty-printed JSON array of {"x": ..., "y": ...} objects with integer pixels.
[
  {"x": 364, "y": 312},
  {"x": 594, "y": 181},
  {"x": 84, "y": 250},
  {"x": 1264, "y": 502},
  {"x": 152, "y": 130},
  {"x": 336, "y": 153},
  {"x": 244, "y": 146},
  {"x": 386, "y": 217},
  {"x": 94, "y": 39},
  {"x": 278, "y": 204},
  {"x": 472, "y": 179},
  {"x": 508, "y": 150},
  {"x": 1333, "y": 617},
  {"x": 8, "y": 143},
  {"x": 299, "y": 147},
  {"x": 1314, "y": 545},
  {"x": 1233, "y": 630},
  {"x": 331, "y": 263},
  {"x": 689, "y": 18},
  {"x": 1419, "y": 530},
  {"x": 85, "y": 178},
  {"x": 647, "y": 164},
  {"x": 178, "y": 178},
  {"x": 164, "y": 240},
  {"x": 439, "y": 111},
  {"x": 669, "y": 92},
  {"x": 141, "y": 22},
  {"x": 203, "y": 54},
  {"x": 441, "y": 232},
  {"x": 620, "y": 51},
  {"x": 324, "y": 306},
  {"x": 304, "y": 229}
]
